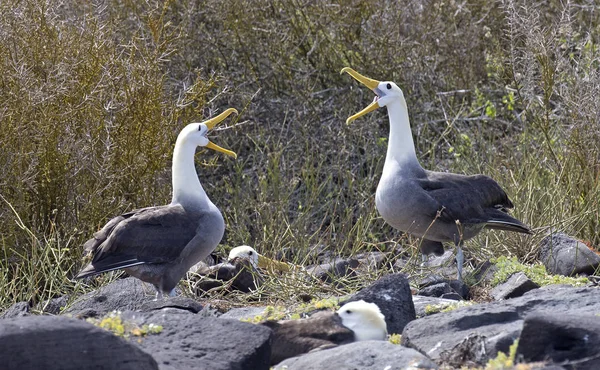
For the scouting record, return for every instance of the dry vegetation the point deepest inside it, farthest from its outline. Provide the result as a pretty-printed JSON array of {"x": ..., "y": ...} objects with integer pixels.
[{"x": 92, "y": 97}]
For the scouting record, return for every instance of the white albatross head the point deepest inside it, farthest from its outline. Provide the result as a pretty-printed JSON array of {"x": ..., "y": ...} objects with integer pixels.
[
  {"x": 245, "y": 252},
  {"x": 364, "y": 319},
  {"x": 196, "y": 133},
  {"x": 386, "y": 92},
  {"x": 256, "y": 259}
]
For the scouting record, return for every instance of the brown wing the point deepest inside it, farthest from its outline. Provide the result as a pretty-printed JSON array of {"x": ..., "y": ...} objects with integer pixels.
[
  {"x": 295, "y": 337},
  {"x": 147, "y": 235},
  {"x": 465, "y": 198}
]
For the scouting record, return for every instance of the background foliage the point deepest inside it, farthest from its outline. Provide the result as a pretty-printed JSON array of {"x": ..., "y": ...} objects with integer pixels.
[{"x": 92, "y": 96}]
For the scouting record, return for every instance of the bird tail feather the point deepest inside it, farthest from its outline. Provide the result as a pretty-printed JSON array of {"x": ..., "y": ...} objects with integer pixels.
[
  {"x": 106, "y": 266},
  {"x": 508, "y": 226}
]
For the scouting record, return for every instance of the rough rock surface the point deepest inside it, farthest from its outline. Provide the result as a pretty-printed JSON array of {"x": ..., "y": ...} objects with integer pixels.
[
  {"x": 393, "y": 296},
  {"x": 54, "y": 342},
  {"x": 367, "y": 355},
  {"x": 567, "y": 340},
  {"x": 564, "y": 255},
  {"x": 330, "y": 271},
  {"x": 442, "y": 335},
  {"x": 516, "y": 285},
  {"x": 181, "y": 303},
  {"x": 422, "y": 302},
  {"x": 122, "y": 294},
  {"x": 436, "y": 290},
  {"x": 189, "y": 341},
  {"x": 53, "y": 306},
  {"x": 242, "y": 313},
  {"x": 296, "y": 337},
  {"x": 19, "y": 309}
]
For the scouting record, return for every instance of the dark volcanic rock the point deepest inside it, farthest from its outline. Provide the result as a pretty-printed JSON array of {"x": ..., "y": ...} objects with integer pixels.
[
  {"x": 367, "y": 355},
  {"x": 181, "y": 303},
  {"x": 53, "y": 306},
  {"x": 392, "y": 294},
  {"x": 435, "y": 290},
  {"x": 498, "y": 323},
  {"x": 373, "y": 260},
  {"x": 516, "y": 285},
  {"x": 189, "y": 341},
  {"x": 437, "y": 286},
  {"x": 18, "y": 309},
  {"x": 421, "y": 303},
  {"x": 564, "y": 255},
  {"x": 123, "y": 294},
  {"x": 570, "y": 340},
  {"x": 484, "y": 273},
  {"x": 452, "y": 295},
  {"x": 295, "y": 337},
  {"x": 244, "y": 313},
  {"x": 328, "y": 272},
  {"x": 61, "y": 343}
]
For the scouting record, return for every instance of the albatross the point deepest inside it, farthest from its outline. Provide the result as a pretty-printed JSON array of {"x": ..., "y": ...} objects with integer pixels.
[
  {"x": 159, "y": 244},
  {"x": 437, "y": 207},
  {"x": 353, "y": 322}
]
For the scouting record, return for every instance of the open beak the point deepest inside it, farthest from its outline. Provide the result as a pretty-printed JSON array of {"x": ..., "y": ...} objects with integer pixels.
[
  {"x": 368, "y": 82},
  {"x": 215, "y": 121}
]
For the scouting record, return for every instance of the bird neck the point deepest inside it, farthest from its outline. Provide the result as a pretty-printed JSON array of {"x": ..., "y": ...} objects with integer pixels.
[
  {"x": 401, "y": 148},
  {"x": 187, "y": 189}
]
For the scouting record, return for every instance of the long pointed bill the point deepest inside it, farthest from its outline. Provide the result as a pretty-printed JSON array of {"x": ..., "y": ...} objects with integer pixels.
[
  {"x": 368, "y": 82},
  {"x": 214, "y": 146},
  {"x": 272, "y": 265},
  {"x": 368, "y": 109},
  {"x": 216, "y": 120}
]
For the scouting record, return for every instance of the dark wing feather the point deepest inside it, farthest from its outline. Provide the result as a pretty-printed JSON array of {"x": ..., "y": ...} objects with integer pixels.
[
  {"x": 295, "y": 337},
  {"x": 465, "y": 198},
  {"x": 147, "y": 235}
]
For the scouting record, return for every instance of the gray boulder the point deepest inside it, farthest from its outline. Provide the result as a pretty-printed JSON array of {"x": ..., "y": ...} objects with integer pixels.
[
  {"x": 516, "y": 285},
  {"x": 393, "y": 296},
  {"x": 189, "y": 341},
  {"x": 244, "y": 313},
  {"x": 436, "y": 290},
  {"x": 447, "y": 335},
  {"x": 566, "y": 256},
  {"x": 425, "y": 306},
  {"x": 367, "y": 355},
  {"x": 120, "y": 295},
  {"x": 570, "y": 340},
  {"x": 61, "y": 343},
  {"x": 330, "y": 271},
  {"x": 53, "y": 306},
  {"x": 19, "y": 309},
  {"x": 180, "y": 303}
]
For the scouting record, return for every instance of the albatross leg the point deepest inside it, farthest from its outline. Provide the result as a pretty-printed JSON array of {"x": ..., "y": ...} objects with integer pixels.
[
  {"x": 172, "y": 293},
  {"x": 460, "y": 260}
]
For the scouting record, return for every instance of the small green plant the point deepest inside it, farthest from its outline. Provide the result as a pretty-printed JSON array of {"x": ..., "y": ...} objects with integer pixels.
[
  {"x": 270, "y": 313},
  {"x": 395, "y": 338},
  {"x": 115, "y": 324},
  {"x": 430, "y": 309},
  {"x": 536, "y": 272},
  {"x": 502, "y": 360}
]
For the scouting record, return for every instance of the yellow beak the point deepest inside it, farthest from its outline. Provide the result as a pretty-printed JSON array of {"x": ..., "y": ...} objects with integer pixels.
[
  {"x": 368, "y": 82},
  {"x": 212, "y": 123},
  {"x": 272, "y": 265}
]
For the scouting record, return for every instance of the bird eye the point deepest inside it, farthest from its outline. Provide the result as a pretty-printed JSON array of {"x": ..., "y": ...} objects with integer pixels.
[
  {"x": 389, "y": 86},
  {"x": 348, "y": 311},
  {"x": 249, "y": 253},
  {"x": 199, "y": 127}
]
